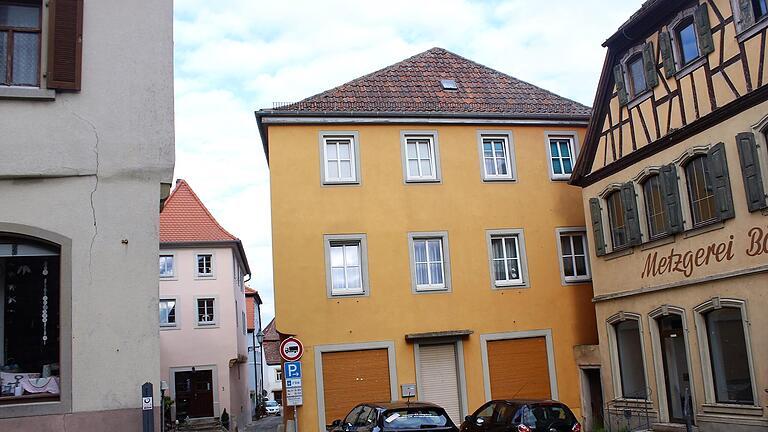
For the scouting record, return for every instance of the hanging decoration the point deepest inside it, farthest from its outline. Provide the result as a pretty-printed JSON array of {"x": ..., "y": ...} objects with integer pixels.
[{"x": 45, "y": 302}]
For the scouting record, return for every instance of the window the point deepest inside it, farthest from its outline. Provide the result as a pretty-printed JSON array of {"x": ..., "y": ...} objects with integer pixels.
[
  {"x": 728, "y": 355},
  {"x": 20, "y": 35},
  {"x": 30, "y": 320},
  {"x": 654, "y": 207},
  {"x": 346, "y": 264},
  {"x": 421, "y": 158},
  {"x": 506, "y": 250},
  {"x": 166, "y": 266},
  {"x": 561, "y": 154},
  {"x": 167, "y": 313},
  {"x": 687, "y": 44},
  {"x": 700, "y": 194},
  {"x": 206, "y": 315},
  {"x": 616, "y": 219},
  {"x": 339, "y": 159},
  {"x": 245, "y": 324},
  {"x": 430, "y": 270},
  {"x": 574, "y": 263},
  {"x": 759, "y": 8},
  {"x": 204, "y": 265},
  {"x": 278, "y": 375},
  {"x": 630, "y": 359},
  {"x": 496, "y": 157},
  {"x": 636, "y": 72}
]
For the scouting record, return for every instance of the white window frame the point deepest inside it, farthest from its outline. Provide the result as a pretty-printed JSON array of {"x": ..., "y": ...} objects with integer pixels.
[
  {"x": 446, "y": 262},
  {"x": 509, "y": 155},
  {"x": 175, "y": 325},
  {"x": 613, "y": 348},
  {"x": 278, "y": 375},
  {"x": 523, "y": 281},
  {"x": 207, "y": 324},
  {"x": 353, "y": 137},
  {"x": 362, "y": 241},
  {"x": 173, "y": 274},
  {"x": 434, "y": 156},
  {"x": 573, "y": 137},
  {"x": 703, "y": 340},
  {"x": 199, "y": 275},
  {"x": 570, "y": 231}
]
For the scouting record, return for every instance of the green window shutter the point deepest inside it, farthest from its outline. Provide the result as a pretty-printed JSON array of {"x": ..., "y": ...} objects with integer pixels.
[
  {"x": 631, "y": 219},
  {"x": 671, "y": 191},
  {"x": 750, "y": 170},
  {"x": 701, "y": 20},
  {"x": 649, "y": 62},
  {"x": 746, "y": 13},
  {"x": 720, "y": 181},
  {"x": 667, "y": 58},
  {"x": 597, "y": 226},
  {"x": 621, "y": 88}
]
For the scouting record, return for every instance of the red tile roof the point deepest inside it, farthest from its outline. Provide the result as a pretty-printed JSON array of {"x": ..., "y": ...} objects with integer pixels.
[
  {"x": 185, "y": 218},
  {"x": 272, "y": 344},
  {"x": 414, "y": 85}
]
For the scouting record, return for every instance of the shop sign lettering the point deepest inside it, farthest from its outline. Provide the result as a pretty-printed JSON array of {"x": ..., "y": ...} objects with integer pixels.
[{"x": 685, "y": 262}]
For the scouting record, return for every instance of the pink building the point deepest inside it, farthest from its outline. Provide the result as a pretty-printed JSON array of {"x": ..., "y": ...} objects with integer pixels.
[{"x": 203, "y": 325}]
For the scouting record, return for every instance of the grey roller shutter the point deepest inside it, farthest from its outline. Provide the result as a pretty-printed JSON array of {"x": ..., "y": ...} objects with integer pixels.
[
  {"x": 649, "y": 62},
  {"x": 750, "y": 171},
  {"x": 597, "y": 226},
  {"x": 621, "y": 88},
  {"x": 438, "y": 378},
  {"x": 631, "y": 219},
  {"x": 720, "y": 181},
  {"x": 667, "y": 58}
]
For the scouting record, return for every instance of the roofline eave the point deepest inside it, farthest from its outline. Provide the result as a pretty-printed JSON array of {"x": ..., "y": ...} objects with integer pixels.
[{"x": 236, "y": 244}]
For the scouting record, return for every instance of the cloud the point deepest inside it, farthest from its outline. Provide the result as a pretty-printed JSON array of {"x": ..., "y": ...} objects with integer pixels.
[{"x": 236, "y": 56}]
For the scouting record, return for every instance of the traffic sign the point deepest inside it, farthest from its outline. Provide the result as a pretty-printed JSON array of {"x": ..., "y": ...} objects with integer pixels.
[
  {"x": 293, "y": 369},
  {"x": 291, "y": 349},
  {"x": 294, "y": 396}
]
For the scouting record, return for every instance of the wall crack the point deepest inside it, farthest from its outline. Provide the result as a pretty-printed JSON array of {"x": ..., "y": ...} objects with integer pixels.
[{"x": 93, "y": 191}]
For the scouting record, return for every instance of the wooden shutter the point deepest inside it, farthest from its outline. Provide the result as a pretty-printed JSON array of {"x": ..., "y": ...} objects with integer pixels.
[
  {"x": 720, "y": 181},
  {"x": 351, "y": 377},
  {"x": 621, "y": 88},
  {"x": 671, "y": 196},
  {"x": 65, "y": 44},
  {"x": 649, "y": 62},
  {"x": 597, "y": 226},
  {"x": 631, "y": 218},
  {"x": 518, "y": 369},
  {"x": 701, "y": 21},
  {"x": 438, "y": 379},
  {"x": 750, "y": 171},
  {"x": 667, "y": 57},
  {"x": 746, "y": 13}
]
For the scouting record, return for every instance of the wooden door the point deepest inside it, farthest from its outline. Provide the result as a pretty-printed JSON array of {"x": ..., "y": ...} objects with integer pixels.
[
  {"x": 519, "y": 369},
  {"x": 353, "y": 377},
  {"x": 194, "y": 394}
]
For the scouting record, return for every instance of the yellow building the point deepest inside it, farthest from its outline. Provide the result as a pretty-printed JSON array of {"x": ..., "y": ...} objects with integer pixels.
[
  {"x": 674, "y": 172},
  {"x": 424, "y": 234}
]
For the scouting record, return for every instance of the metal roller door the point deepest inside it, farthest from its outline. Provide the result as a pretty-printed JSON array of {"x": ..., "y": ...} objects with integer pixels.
[
  {"x": 518, "y": 369},
  {"x": 352, "y": 377},
  {"x": 438, "y": 378}
]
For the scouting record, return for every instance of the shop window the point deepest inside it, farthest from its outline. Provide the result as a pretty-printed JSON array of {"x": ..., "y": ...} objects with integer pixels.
[
  {"x": 729, "y": 357},
  {"x": 30, "y": 299},
  {"x": 630, "y": 359}
]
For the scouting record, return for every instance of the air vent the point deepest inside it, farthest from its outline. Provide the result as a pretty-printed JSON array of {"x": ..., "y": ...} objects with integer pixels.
[{"x": 449, "y": 84}]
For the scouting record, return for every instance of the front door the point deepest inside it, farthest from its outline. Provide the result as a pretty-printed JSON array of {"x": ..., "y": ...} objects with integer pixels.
[
  {"x": 194, "y": 394},
  {"x": 676, "y": 375}
]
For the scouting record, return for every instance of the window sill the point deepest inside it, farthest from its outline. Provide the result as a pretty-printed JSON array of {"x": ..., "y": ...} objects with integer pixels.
[
  {"x": 431, "y": 290},
  {"x": 168, "y": 278},
  {"x": 661, "y": 241},
  {"x": 579, "y": 281},
  {"x": 690, "y": 67},
  {"x": 703, "y": 229},
  {"x": 203, "y": 277},
  {"x": 342, "y": 183},
  {"x": 560, "y": 178},
  {"x": 732, "y": 409},
  {"x": 335, "y": 296},
  {"x": 507, "y": 285},
  {"x": 756, "y": 28},
  {"x": 417, "y": 180},
  {"x": 499, "y": 179},
  {"x": 170, "y": 327},
  {"x": 29, "y": 93},
  {"x": 642, "y": 97},
  {"x": 627, "y": 250},
  {"x": 206, "y": 326}
]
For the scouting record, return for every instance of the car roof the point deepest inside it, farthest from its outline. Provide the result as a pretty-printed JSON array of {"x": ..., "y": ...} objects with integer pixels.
[
  {"x": 529, "y": 402},
  {"x": 401, "y": 404}
]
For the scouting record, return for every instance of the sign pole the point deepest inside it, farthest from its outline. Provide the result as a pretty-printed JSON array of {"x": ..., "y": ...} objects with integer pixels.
[
  {"x": 147, "y": 408},
  {"x": 296, "y": 418}
]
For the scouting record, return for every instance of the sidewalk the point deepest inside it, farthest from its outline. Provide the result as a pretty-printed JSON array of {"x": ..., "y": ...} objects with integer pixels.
[{"x": 266, "y": 424}]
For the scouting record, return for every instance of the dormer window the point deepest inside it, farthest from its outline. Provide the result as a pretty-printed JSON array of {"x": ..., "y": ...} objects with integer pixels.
[
  {"x": 636, "y": 72},
  {"x": 449, "y": 84},
  {"x": 687, "y": 45}
]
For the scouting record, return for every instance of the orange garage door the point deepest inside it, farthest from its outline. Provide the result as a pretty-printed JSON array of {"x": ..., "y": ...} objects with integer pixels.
[
  {"x": 352, "y": 377},
  {"x": 518, "y": 369}
]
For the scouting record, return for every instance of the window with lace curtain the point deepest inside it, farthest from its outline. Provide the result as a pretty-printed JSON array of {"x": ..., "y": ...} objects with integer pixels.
[{"x": 20, "y": 40}]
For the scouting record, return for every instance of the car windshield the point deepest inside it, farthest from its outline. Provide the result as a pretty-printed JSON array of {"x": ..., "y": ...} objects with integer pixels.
[
  {"x": 271, "y": 403},
  {"x": 545, "y": 414},
  {"x": 415, "y": 418}
]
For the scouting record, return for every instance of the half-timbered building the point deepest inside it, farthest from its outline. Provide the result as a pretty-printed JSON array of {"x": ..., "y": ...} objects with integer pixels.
[{"x": 674, "y": 172}]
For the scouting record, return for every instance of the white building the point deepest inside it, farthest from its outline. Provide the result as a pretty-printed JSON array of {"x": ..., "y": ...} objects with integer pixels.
[{"x": 86, "y": 134}]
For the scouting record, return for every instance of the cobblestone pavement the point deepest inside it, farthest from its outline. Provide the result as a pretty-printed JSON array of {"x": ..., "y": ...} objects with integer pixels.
[{"x": 266, "y": 424}]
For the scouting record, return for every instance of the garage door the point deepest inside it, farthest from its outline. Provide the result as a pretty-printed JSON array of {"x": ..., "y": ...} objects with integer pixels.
[
  {"x": 518, "y": 369},
  {"x": 438, "y": 380},
  {"x": 352, "y": 377}
]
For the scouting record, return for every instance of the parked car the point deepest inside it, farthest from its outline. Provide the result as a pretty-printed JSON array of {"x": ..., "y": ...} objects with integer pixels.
[
  {"x": 395, "y": 416},
  {"x": 521, "y": 416},
  {"x": 273, "y": 407}
]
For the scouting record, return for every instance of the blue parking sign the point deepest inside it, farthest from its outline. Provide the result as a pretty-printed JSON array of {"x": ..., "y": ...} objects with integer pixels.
[{"x": 293, "y": 369}]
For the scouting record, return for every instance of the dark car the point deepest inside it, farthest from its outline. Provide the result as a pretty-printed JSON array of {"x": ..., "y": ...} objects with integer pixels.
[
  {"x": 395, "y": 416},
  {"x": 521, "y": 416}
]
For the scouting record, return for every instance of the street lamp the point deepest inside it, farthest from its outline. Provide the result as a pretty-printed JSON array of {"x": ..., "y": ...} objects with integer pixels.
[{"x": 259, "y": 382}]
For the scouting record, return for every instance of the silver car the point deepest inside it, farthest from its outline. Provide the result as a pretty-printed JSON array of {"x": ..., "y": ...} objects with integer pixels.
[{"x": 273, "y": 408}]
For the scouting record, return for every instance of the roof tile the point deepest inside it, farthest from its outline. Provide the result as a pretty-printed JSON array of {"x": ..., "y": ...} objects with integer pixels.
[{"x": 185, "y": 218}]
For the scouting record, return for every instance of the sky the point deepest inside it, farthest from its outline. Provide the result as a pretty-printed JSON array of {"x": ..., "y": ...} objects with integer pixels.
[{"x": 233, "y": 57}]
